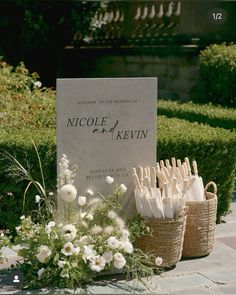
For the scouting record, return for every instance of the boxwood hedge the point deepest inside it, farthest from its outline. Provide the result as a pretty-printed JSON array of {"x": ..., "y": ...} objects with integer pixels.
[{"x": 29, "y": 112}]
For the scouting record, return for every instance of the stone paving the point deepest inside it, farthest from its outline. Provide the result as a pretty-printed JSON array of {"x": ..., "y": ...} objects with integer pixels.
[{"x": 214, "y": 274}]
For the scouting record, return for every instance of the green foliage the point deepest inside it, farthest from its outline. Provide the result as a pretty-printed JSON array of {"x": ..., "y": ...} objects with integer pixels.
[
  {"x": 214, "y": 149},
  {"x": 214, "y": 116},
  {"x": 217, "y": 75},
  {"x": 22, "y": 104}
]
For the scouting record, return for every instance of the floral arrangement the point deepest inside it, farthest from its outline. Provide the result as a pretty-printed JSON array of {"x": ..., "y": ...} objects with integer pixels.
[{"x": 72, "y": 246}]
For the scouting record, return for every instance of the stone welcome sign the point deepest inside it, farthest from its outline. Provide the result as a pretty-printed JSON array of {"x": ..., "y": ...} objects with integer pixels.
[{"x": 107, "y": 126}]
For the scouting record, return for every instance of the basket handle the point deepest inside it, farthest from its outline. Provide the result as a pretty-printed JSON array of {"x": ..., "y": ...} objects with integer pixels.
[{"x": 214, "y": 187}]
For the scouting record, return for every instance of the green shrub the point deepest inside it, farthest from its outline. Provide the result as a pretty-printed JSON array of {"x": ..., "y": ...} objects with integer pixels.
[
  {"x": 214, "y": 149},
  {"x": 214, "y": 116},
  {"x": 217, "y": 75}
]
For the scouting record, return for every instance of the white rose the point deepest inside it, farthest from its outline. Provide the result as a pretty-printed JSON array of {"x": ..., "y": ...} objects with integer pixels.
[
  {"x": 81, "y": 201},
  {"x": 68, "y": 249},
  {"x": 107, "y": 256},
  {"x": 43, "y": 253},
  {"x": 119, "y": 261},
  {"x": 127, "y": 247},
  {"x": 113, "y": 243},
  {"x": 67, "y": 193},
  {"x": 109, "y": 179},
  {"x": 69, "y": 232},
  {"x": 123, "y": 188},
  {"x": 40, "y": 272},
  {"x": 158, "y": 261}
]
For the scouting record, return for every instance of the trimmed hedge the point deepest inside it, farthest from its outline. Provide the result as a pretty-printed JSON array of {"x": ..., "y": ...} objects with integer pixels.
[
  {"x": 217, "y": 75},
  {"x": 214, "y": 149},
  {"x": 24, "y": 105},
  {"x": 207, "y": 114}
]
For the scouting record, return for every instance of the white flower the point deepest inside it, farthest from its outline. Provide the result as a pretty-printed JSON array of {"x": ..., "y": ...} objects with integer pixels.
[
  {"x": 43, "y": 253},
  {"x": 81, "y": 200},
  {"x": 97, "y": 263},
  {"x": 96, "y": 229},
  {"x": 94, "y": 201},
  {"x": 49, "y": 226},
  {"x": 38, "y": 84},
  {"x": 119, "y": 260},
  {"x": 89, "y": 252},
  {"x": 2, "y": 234},
  {"x": 108, "y": 230},
  {"x": 111, "y": 214},
  {"x": 77, "y": 250},
  {"x": 83, "y": 214},
  {"x": 37, "y": 198},
  {"x": 22, "y": 217},
  {"x": 123, "y": 188},
  {"x": 40, "y": 272},
  {"x": 61, "y": 263},
  {"x": 84, "y": 240},
  {"x": 68, "y": 249},
  {"x": 127, "y": 247},
  {"x": 67, "y": 193},
  {"x": 90, "y": 192},
  {"x": 158, "y": 261},
  {"x": 64, "y": 275},
  {"x": 107, "y": 256},
  {"x": 89, "y": 216},
  {"x": 120, "y": 222},
  {"x": 113, "y": 243},
  {"x": 51, "y": 194},
  {"x": 69, "y": 232},
  {"x": 109, "y": 179},
  {"x": 125, "y": 234}
]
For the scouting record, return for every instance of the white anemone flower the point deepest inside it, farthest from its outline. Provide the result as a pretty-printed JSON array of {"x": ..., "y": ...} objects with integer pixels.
[
  {"x": 119, "y": 260},
  {"x": 67, "y": 193},
  {"x": 40, "y": 272},
  {"x": 113, "y": 243},
  {"x": 109, "y": 179},
  {"x": 43, "y": 253},
  {"x": 69, "y": 232},
  {"x": 158, "y": 261},
  {"x": 108, "y": 256},
  {"x": 81, "y": 201},
  {"x": 97, "y": 263},
  {"x": 68, "y": 249},
  {"x": 123, "y": 188}
]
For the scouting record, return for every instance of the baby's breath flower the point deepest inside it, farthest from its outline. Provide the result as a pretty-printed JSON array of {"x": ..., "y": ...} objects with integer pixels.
[
  {"x": 108, "y": 230},
  {"x": 158, "y": 261},
  {"x": 90, "y": 192},
  {"x": 111, "y": 214},
  {"x": 123, "y": 188},
  {"x": 109, "y": 179},
  {"x": 96, "y": 229}
]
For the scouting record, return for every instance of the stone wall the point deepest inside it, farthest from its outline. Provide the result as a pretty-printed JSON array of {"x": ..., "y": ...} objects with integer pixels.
[{"x": 176, "y": 71}]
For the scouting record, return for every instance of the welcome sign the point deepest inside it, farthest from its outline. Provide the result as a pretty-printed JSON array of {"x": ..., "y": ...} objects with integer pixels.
[{"x": 107, "y": 126}]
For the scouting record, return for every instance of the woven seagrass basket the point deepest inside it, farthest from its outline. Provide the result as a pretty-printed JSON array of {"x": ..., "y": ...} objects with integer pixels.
[
  {"x": 199, "y": 236},
  {"x": 166, "y": 240}
]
